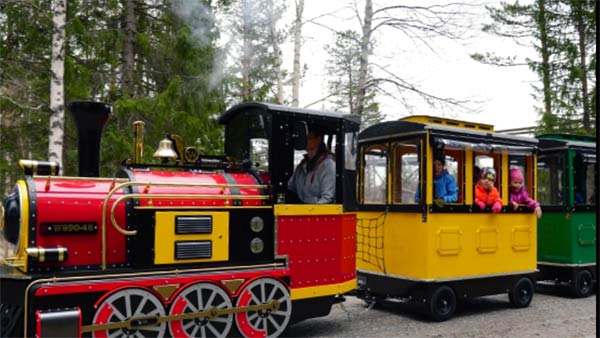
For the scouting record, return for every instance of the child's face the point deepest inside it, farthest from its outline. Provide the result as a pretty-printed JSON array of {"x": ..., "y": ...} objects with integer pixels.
[
  {"x": 517, "y": 184},
  {"x": 486, "y": 183}
]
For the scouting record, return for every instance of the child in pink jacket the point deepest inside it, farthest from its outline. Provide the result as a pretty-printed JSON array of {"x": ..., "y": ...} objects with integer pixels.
[{"x": 518, "y": 194}]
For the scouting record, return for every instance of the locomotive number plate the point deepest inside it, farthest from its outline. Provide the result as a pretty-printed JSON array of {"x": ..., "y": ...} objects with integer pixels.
[{"x": 68, "y": 228}]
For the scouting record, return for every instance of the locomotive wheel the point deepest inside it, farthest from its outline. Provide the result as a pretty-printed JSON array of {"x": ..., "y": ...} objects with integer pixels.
[
  {"x": 583, "y": 284},
  {"x": 129, "y": 303},
  {"x": 198, "y": 298},
  {"x": 263, "y": 323},
  {"x": 442, "y": 303},
  {"x": 521, "y": 293}
]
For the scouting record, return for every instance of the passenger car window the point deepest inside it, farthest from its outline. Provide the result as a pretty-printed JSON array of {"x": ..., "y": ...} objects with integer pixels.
[
  {"x": 375, "y": 175},
  {"x": 405, "y": 171}
]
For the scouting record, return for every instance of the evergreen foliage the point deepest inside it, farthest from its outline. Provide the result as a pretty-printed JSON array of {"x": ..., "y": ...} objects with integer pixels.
[
  {"x": 563, "y": 33},
  {"x": 343, "y": 66},
  {"x": 172, "y": 90}
]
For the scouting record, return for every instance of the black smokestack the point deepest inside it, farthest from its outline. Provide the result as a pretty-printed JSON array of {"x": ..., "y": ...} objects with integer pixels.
[{"x": 89, "y": 117}]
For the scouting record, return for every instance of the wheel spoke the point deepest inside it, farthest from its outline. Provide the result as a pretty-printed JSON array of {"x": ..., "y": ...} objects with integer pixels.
[
  {"x": 140, "y": 307},
  {"x": 117, "y": 333},
  {"x": 188, "y": 324},
  {"x": 220, "y": 319},
  {"x": 263, "y": 292},
  {"x": 255, "y": 299},
  {"x": 252, "y": 315},
  {"x": 195, "y": 330},
  {"x": 274, "y": 322},
  {"x": 199, "y": 296},
  {"x": 213, "y": 330},
  {"x": 117, "y": 313},
  {"x": 272, "y": 295},
  {"x": 128, "y": 305},
  {"x": 211, "y": 299}
]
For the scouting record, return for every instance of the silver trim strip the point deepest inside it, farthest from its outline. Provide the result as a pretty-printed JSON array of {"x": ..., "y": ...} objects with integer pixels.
[{"x": 563, "y": 264}]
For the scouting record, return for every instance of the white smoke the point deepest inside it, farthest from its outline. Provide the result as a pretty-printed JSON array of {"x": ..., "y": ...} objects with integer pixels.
[{"x": 203, "y": 25}]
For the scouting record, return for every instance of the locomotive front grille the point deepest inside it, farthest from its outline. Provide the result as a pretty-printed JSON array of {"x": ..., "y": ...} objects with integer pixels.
[
  {"x": 193, "y": 249},
  {"x": 193, "y": 225},
  {"x": 191, "y": 237}
]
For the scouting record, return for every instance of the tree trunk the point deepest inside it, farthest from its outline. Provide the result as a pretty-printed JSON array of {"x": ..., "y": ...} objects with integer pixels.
[
  {"x": 364, "y": 58},
  {"x": 129, "y": 49},
  {"x": 277, "y": 50},
  {"x": 297, "y": 46},
  {"x": 578, "y": 12},
  {"x": 246, "y": 51},
  {"x": 546, "y": 116},
  {"x": 57, "y": 97}
]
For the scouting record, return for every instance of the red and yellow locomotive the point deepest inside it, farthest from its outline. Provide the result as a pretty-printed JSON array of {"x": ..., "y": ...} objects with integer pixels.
[{"x": 196, "y": 246}]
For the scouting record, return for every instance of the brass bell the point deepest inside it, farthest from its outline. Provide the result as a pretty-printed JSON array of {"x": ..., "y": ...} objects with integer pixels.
[{"x": 165, "y": 150}]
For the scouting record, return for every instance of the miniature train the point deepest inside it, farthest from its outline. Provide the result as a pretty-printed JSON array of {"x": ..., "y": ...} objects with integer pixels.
[{"x": 202, "y": 246}]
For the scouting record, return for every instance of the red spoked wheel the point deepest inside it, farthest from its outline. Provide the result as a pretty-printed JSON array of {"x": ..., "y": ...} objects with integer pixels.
[
  {"x": 126, "y": 304},
  {"x": 196, "y": 298},
  {"x": 267, "y": 322}
]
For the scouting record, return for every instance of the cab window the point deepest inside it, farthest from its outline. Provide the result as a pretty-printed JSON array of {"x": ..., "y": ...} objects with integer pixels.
[{"x": 259, "y": 153}]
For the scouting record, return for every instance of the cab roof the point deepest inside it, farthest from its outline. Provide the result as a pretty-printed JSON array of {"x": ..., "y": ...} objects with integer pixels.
[{"x": 276, "y": 108}]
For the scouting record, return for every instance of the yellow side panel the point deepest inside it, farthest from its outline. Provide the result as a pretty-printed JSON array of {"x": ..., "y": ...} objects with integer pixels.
[
  {"x": 323, "y": 290},
  {"x": 307, "y": 209},
  {"x": 166, "y": 237},
  {"x": 446, "y": 246},
  {"x": 391, "y": 243}
]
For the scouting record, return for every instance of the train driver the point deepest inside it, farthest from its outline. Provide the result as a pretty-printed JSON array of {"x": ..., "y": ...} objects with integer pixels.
[{"x": 314, "y": 178}]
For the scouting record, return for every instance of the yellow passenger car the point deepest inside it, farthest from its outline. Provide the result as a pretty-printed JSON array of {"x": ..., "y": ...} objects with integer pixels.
[{"x": 416, "y": 247}]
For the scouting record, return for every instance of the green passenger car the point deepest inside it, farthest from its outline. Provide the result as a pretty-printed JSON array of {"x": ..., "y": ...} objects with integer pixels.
[{"x": 567, "y": 188}]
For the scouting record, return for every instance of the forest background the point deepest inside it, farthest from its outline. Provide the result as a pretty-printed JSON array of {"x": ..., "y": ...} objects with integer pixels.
[{"x": 177, "y": 64}]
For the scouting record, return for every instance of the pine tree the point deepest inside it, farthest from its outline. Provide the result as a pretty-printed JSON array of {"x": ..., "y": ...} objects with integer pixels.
[
  {"x": 344, "y": 66},
  {"x": 255, "y": 61},
  {"x": 563, "y": 32}
]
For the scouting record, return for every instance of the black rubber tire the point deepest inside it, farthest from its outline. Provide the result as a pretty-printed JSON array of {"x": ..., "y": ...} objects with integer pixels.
[
  {"x": 11, "y": 321},
  {"x": 583, "y": 285},
  {"x": 521, "y": 294},
  {"x": 442, "y": 303}
]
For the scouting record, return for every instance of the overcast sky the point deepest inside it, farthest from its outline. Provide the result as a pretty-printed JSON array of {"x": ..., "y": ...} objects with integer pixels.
[{"x": 504, "y": 94}]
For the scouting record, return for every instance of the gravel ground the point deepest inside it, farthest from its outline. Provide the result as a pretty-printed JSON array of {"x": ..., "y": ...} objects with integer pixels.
[{"x": 552, "y": 313}]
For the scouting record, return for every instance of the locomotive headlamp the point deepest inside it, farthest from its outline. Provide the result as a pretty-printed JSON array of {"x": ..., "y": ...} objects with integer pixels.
[
  {"x": 257, "y": 245},
  {"x": 12, "y": 217},
  {"x": 257, "y": 224}
]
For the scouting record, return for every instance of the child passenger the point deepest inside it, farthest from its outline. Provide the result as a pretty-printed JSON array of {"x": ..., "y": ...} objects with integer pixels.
[
  {"x": 485, "y": 192},
  {"x": 518, "y": 193}
]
